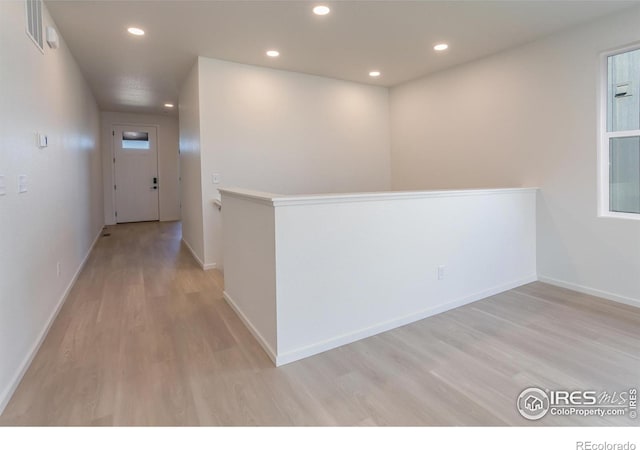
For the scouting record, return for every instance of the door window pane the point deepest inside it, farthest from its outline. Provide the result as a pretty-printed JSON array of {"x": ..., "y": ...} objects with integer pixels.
[
  {"x": 624, "y": 175},
  {"x": 135, "y": 140}
]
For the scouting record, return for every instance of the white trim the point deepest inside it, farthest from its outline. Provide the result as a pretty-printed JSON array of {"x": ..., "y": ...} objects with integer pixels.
[
  {"x": 265, "y": 198},
  {"x": 602, "y": 168},
  {"x": 622, "y": 134},
  {"x": 619, "y": 215},
  {"x": 591, "y": 291},
  {"x": 338, "y": 341},
  {"x": 295, "y": 200},
  {"x": 202, "y": 265},
  {"x": 112, "y": 166},
  {"x": 5, "y": 397},
  {"x": 193, "y": 253},
  {"x": 254, "y": 331},
  {"x": 604, "y": 136},
  {"x": 385, "y": 196}
]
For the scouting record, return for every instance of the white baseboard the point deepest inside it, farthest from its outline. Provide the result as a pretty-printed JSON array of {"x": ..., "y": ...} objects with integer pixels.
[
  {"x": 204, "y": 266},
  {"x": 357, "y": 335},
  {"x": 591, "y": 291},
  {"x": 193, "y": 253},
  {"x": 254, "y": 331},
  {"x": 5, "y": 397},
  {"x": 338, "y": 341}
]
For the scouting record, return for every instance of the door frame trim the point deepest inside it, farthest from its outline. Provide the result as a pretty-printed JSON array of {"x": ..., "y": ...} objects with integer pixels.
[{"x": 113, "y": 165}]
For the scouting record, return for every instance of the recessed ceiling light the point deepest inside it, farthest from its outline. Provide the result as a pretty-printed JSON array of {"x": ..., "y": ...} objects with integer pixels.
[
  {"x": 441, "y": 47},
  {"x": 273, "y": 53},
  {"x": 374, "y": 73},
  {"x": 136, "y": 31},
  {"x": 168, "y": 105},
  {"x": 321, "y": 10}
]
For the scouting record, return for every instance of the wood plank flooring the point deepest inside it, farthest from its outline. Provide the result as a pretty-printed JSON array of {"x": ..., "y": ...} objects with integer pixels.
[{"x": 145, "y": 338}]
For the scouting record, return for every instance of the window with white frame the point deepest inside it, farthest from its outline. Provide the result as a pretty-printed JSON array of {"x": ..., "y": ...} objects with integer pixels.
[{"x": 620, "y": 135}]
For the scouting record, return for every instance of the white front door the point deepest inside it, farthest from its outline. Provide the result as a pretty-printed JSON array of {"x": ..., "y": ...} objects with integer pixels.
[{"x": 135, "y": 153}]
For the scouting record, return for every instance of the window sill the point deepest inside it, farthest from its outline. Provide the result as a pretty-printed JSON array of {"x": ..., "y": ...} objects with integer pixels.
[{"x": 618, "y": 215}]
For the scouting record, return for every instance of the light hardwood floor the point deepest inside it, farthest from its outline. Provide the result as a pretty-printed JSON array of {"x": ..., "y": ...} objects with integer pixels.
[{"x": 145, "y": 338}]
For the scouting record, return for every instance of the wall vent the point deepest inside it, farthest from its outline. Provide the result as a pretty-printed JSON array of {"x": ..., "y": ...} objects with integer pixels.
[{"x": 34, "y": 22}]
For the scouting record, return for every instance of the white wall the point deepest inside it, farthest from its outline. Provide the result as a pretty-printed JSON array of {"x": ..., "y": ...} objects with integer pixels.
[
  {"x": 168, "y": 161},
  {"x": 527, "y": 117},
  {"x": 250, "y": 267},
  {"x": 287, "y": 132},
  {"x": 59, "y": 217},
  {"x": 190, "y": 165},
  {"x": 350, "y": 266}
]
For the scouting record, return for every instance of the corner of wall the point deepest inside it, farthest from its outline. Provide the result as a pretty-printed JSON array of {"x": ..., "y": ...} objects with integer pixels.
[{"x": 190, "y": 164}]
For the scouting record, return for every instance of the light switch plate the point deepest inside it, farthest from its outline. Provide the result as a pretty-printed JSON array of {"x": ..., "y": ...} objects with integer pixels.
[
  {"x": 3, "y": 186},
  {"x": 22, "y": 184},
  {"x": 216, "y": 178},
  {"x": 43, "y": 140}
]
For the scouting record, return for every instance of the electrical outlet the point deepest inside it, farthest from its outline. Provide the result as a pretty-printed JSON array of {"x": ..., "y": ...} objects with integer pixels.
[
  {"x": 58, "y": 268},
  {"x": 440, "y": 272}
]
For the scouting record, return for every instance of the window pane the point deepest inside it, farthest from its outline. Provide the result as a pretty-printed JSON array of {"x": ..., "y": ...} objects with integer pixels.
[
  {"x": 135, "y": 140},
  {"x": 623, "y": 88},
  {"x": 624, "y": 176}
]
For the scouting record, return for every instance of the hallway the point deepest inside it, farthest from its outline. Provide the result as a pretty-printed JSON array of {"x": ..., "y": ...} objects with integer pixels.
[{"x": 145, "y": 338}]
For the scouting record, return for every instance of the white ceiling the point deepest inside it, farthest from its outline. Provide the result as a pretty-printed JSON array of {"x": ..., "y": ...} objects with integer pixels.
[{"x": 140, "y": 74}]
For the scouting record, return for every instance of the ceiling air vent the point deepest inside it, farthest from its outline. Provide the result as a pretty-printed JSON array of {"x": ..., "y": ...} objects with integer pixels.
[{"x": 34, "y": 21}]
